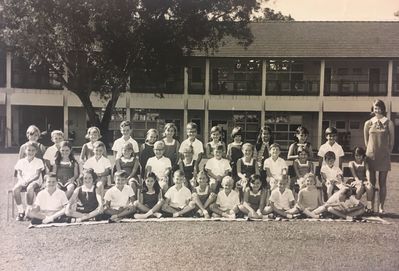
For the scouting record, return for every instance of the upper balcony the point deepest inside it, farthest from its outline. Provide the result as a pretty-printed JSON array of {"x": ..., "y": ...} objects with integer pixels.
[{"x": 356, "y": 78}]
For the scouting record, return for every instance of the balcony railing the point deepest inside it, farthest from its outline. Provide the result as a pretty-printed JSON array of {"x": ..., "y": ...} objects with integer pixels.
[
  {"x": 292, "y": 87},
  {"x": 236, "y": 87},
  {"x": 355, "y": 88},
  {"x": 167, "y": 88}
]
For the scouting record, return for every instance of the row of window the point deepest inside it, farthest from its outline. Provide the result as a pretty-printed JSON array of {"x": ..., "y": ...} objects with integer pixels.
[{"x": 241, "y": 77}]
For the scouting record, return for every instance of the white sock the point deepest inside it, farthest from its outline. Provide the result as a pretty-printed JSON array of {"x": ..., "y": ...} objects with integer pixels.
[
  {"x": 20, "y": 208},
  {"x": 369, "y": 205}
]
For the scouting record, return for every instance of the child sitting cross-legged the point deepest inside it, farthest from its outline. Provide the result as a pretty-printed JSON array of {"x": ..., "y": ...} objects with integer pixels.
[
  {"x": 119, "y": 199},
  {"x": 85, "y": 202},
  {"x": 50, "y": 203},
  {"x": 309, "y": 198},
  {"x": 149, "y": 198},
  {"x": 227, "y": 200},
  {"x": 343, "y": 204},
  {"x": 254, "y": 198},
  {"x": 178, "y": 198},
  {"x": 281, "y": 200},
  {"x": 217, "y": 168},
  {"x": 202, "y": 195}
]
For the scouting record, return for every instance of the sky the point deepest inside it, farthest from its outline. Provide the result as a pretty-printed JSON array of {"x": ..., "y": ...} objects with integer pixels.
[{"x": 337, "y": 10}]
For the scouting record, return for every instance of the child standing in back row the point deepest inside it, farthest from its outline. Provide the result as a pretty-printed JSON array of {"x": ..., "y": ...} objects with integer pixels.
[
  {"x": 216, "y": 133},
  {"x": 301, "y": 137},
  {"x": 234, "y": 151},
  {"x": 126, "y": 132},
  {"x": 331, "y": 145},
  {"x": 147, "y": 149},
  {"x": 57, "y": 137},
  {"x": 93, "y": 134},
  {"x": 32, "y": 134},
  {"x": 172, "y": 145},
  {"x": 194, "y": 142}
]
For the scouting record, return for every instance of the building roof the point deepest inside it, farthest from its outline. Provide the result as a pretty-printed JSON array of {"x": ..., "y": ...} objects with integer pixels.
[{"x": 317, "y": 39}]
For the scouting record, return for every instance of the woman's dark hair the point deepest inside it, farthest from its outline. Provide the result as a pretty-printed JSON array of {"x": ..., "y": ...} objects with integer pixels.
[
  {"x": 299, "y": 130},
  {"x": 157, "y": 187},
  {"x": 381, "y": 105},
  {"x": 92, "y": 173},
  {"x": 58, "y": 156},
  {"x": 253, "y": 178}
]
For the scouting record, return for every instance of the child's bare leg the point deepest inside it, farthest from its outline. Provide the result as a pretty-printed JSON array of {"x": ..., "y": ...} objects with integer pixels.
[
  {"x": 164, "y": 186},
  {"x": 141, "y": 207},
  {"x": 70, "y": 190},
  {"x": 185, "y": 210},
  {"x": 360, "y": 191},
  {"x": 168, "y": 209},
  {"x": 17, "y": 194},
  {"x": 100, "y": 187},
  {"x": 336, "y": 212},
  {"x": 330, "y": 188},
  {"x": 215, "y": 209},
  {"x": 309, "y": 213},
  {"x": 382, "y": 182},
  {"x": 30, "y": 193},
  {"x": 281, "y": 213},
  {"x": 267, "y": 210},
  {"x": 122, "y": 213},
  {"x": 37, "y": 214},
  {"x": 358, "y": 212},
  {"x": 319, "y": 210}
]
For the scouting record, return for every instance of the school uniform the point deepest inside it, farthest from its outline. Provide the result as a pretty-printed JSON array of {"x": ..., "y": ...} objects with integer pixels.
[
  {"x": 275, "y": 166},
  {"x": 51, "y": 203},
  {"x": 159, "y": 166},
  {"x": 197, "y": 147},
  {"x": 50, "y": 154},
  {"x": 29, "y": 169},
  {"x": 227, "y": 202},
  {"x": 118, "y": 145},
  {"x": 331, "y": 174},
  {"x": 118, "y": 198},
  {"x": 99, "y": 166},
  {"x": 335, "y": 148},
  {"x": 87, "y": 199},
  {"x": 308, "y": 199},
  {"x": 282, "y": 200},
  {"x": 178, "y": 198}
]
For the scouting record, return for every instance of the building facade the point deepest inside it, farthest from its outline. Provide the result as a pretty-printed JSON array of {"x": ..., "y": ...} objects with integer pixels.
[{"x": 315, "y": 74}]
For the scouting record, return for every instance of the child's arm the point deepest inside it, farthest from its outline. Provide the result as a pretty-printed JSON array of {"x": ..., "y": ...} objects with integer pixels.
[
  {"x": 107, "y": 205},
  {"x": 212, "y": 175},
  {"x": 296, "y": 169},
  {"x": 48, "y": 164},
  {"x": 391, "y": 129},
  {"x": 75, "y": 173},
  {"x": 135, "y": 168},
  {"x": 118, "y": 164},
  {"x": 228, "y": 153},
  {"x": 167, "y": 172},
  {"x": 353, "y": 170},
  {"x": 208, "y": 151},
  {"x": 82, "y": 157},
  {"x": 310, "y": 150},
  {"x": 148, "y": 169},
  {"x": 312, "y": 169},
  {"x": 268, "y": 172},
  {"x": 245, "y": 201},
  {"x": 262, "y": 202},
  {"x": 323, "y": 177},
  {"x": 290, "y": 155},
  {"x": 73, "y": 199},
  {"x": 199, "y": 159},
  {"x": 239, "y": 171}
]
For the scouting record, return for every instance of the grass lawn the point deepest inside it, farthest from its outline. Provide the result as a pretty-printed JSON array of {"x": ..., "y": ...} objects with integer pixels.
[{"x": 292, "y": 245}]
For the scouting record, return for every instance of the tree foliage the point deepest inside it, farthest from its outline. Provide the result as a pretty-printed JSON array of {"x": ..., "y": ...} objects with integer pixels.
[
  {"x": 269, "y": 14},
  {"x": 94, "y": 45}
]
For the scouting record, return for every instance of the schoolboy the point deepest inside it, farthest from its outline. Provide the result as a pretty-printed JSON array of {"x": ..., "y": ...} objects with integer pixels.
[
  {"x": 159, "y": 165},
  {"x": 331, "y": 145},
  {"x": 275, "y": 166},
  {"x": 119, "y": 199},
  {"x": 227, "y": 200},
  {"x": 57, "y": 137},
  {"x": 331, "y": 174},
  {"x": 29, "y": 170},
  {"x": 281, "y": 200},
  {"x": 178, "y": 198},
  {"x": 192, "y": 140},
  {"x": 217, "y": 168},
  {"x": 49, "y": 204},
  {"x": 126, "y": 132}
]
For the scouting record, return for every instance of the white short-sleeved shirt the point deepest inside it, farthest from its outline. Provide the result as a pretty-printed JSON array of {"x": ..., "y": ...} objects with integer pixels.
[
  {"x": 282, "y": 200},
  {"x": 178, "y": 198},
  {"x": 119, "y": 198},
  {"x": 218, "y": 167},
  {"x": 159, "y": 166},
  {"x": 99, "y": 165},
  {"x": 227, "y": 202},
  {"x": 50, "y": 154},
  {"x": 349, "y": 203},
  {"x": 275, "y": 167},
  {"x": 118, "y": 145},
  {"x": 336, "y": 148},
  {"x": 29, "y": 168},
  {"x": 197, "y": 145},
  {"x": 331, "y": 173},
  {"x": 51, "y": 203}
]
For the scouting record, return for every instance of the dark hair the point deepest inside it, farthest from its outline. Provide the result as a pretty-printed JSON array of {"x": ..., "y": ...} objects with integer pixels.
[
  {"x": 331, "y": 130},
  {"x": 50, "y": 175},
  {"x": 329, "y": 155},
  {"x": 58, "y": 155},
  {"x": 91, "y": 172},
  {"x": 125, "y": 123},
  {"x": 359, "y": 151},
  {"x": 259, "y": 139},
  {"x": 252, "y": 180},
  {"x": 237, "y": 131},
  {"x": 157, "y": 187},
  {"x": 192, "y": 126},
  {"x": 169, "y": 126},
  {"x": 219, "y": 148},
  {"x": 275, "y": 145},
  {"x": 299, "y": 130},
  {"x": 303, "y": 149},
  {"x": 121, "y": 173}
]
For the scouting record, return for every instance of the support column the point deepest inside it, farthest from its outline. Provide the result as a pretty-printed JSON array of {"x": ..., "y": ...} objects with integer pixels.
[
  {"x": 8, "y": 134},
  {"x": 65, "y": 95},
  {"x": 389, "y": 88},
  {"x": 320, "y": 125},
  {"x": 206, "y": 99},
  {"x": 128, "y": 117},
  {"x": 263, "y": 113},
  {"x": 321, "y": 98},
  {"x": 185, "y": 101}
]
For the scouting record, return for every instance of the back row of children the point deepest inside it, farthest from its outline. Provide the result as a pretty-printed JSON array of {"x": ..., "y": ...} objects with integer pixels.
[{"x": 159, "y": 158}]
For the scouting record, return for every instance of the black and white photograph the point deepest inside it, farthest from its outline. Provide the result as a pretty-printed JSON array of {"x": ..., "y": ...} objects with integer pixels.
[{"x": 199, "y": 135}]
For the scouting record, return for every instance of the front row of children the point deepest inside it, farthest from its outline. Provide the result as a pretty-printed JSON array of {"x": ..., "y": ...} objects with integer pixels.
[{"x": 120, "y": 201}]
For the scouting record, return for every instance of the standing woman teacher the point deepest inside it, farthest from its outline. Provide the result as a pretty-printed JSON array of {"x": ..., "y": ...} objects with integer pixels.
[{"x": 379, "y": 139}]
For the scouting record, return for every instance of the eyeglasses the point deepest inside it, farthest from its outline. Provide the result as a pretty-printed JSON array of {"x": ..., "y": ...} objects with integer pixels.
[{"x": 32, "y": 133}]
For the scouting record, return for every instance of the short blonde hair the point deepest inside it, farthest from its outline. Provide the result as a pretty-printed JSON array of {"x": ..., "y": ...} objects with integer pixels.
[
  {"x": 93, "y": 128},
  {"x": 32, "y": 129},
  {"x": 227, "y": 179},
  {"x": 57, "y": 132},
  {"x": 159, "y": 144}
]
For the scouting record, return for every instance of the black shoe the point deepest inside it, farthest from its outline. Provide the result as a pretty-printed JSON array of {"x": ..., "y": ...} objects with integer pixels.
[{"x": 20, "y": 217}]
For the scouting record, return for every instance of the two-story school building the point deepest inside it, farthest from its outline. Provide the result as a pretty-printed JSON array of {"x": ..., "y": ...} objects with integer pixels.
[{"x": 315, "y": 74}]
